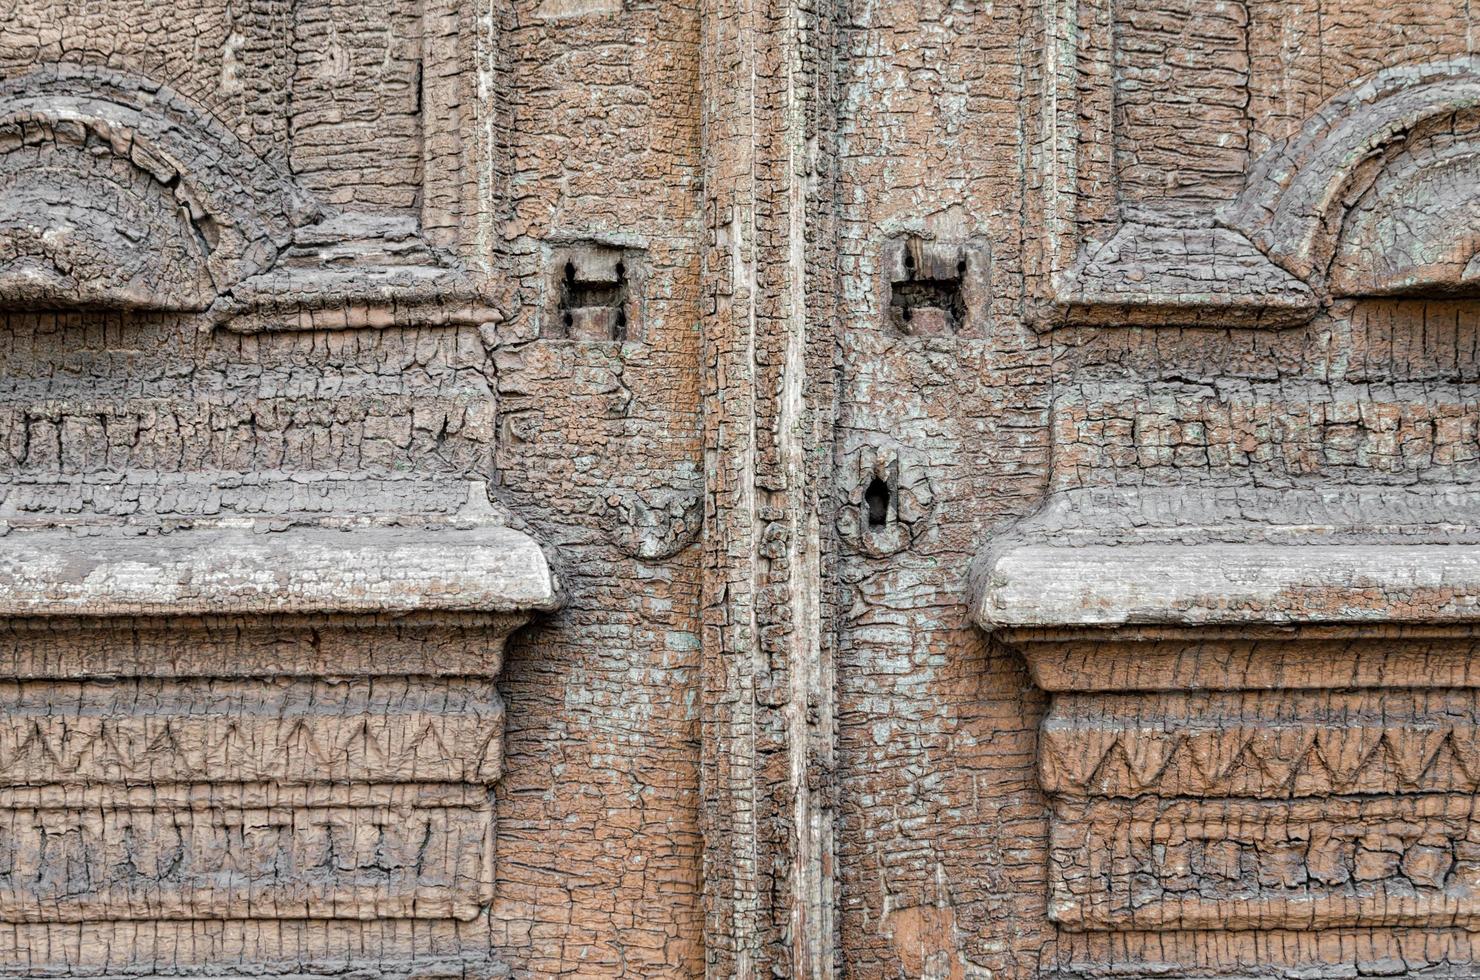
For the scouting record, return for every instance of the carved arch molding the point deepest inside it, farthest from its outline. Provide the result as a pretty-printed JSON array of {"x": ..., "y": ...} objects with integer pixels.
[
  {"x": 1377, "y": 194},
  {"x": 117, "y": 192}
]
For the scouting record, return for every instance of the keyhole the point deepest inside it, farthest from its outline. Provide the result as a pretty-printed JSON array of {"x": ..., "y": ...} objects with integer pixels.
[{"x": 876, "y": 498}]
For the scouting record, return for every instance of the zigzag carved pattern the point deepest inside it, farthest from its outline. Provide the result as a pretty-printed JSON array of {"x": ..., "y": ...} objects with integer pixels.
[
  {"x": 39, "y": 750},
  {"x": 1259, "y": 761}
]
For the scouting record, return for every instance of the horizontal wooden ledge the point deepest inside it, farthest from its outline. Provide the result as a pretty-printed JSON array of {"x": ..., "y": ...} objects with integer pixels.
[
  {"x": 368, "y": 297},
  {"x": 1107, "y": 585},
  {"x": 1169, "y": 559},
  {"x": 245, "y": 570}
]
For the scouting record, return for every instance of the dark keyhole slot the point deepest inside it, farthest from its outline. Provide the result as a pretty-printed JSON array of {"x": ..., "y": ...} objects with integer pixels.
[{"x": 876, "y": 497}]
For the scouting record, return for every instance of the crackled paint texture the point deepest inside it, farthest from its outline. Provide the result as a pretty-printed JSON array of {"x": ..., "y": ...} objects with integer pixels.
[{"x": 760, "y": 359}]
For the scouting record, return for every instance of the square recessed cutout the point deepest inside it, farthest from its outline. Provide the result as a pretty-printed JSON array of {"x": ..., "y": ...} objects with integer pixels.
[
  {"x": 934, "y": 287},
  {"x": 594, "y": 293}
]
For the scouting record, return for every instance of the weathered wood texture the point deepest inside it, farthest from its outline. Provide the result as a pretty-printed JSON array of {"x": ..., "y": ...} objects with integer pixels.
[
  {"x": 983, "y": 490},
  {"x": 768, "y": 679}
]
